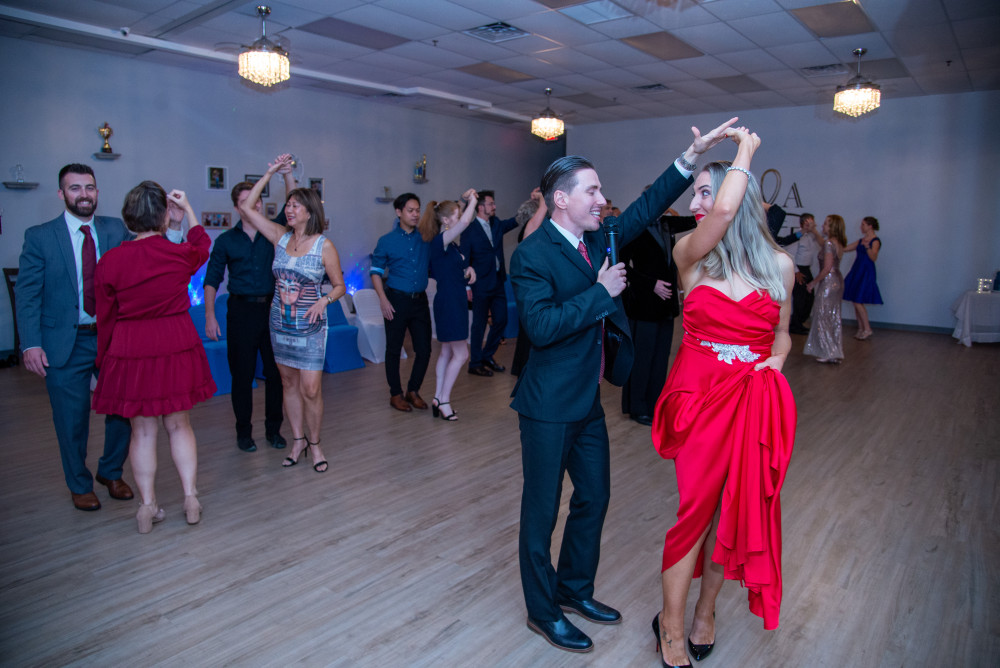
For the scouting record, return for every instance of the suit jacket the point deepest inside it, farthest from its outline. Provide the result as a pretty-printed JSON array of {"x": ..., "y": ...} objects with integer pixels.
[
  {"x": 561, "y": 307},
  {"x": 47, "y": 294},
  {"x": 648, "y": 260},
  {"x": 483, "y": 255}
]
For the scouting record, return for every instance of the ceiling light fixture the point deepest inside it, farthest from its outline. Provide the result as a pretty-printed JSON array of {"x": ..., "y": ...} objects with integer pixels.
[
  {"x": 547, "y": 125},
  {"x": 264, "y": 62},
  {"x": 859, "y": 95}
]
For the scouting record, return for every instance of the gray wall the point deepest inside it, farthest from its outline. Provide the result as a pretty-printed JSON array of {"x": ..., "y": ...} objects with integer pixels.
[
  {"x": 926, "y": 167},
  {"x": 171, "y": 122}
]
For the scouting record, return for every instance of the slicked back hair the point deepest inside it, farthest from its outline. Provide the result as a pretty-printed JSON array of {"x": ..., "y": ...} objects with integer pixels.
[{"x": 561, "y": 175}]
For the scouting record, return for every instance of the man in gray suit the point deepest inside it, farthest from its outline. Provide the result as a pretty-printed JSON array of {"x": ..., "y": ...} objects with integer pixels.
[{"x": 55, "y": 299}]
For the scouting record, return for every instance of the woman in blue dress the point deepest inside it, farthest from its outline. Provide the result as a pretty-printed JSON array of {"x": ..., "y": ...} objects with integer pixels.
[
  {"x": 859, "y": 284},
  {"x": 302, "y": 257},
  {"x": 442, "y": 226}
]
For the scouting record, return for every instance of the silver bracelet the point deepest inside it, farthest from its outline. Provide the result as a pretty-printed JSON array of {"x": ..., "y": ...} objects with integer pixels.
[
  {"x": 689, "y": 166},
  {"x": 740, "y": 169}
]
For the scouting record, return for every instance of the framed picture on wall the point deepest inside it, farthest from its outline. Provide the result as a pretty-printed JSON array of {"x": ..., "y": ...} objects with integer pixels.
[
  {"x": 271, "y": 210},
  {"x": 254, "y": 178},
  {"x": 317, "y": 185},
  {"x": 216, "y": 219},
  {"x": 216, "y": 178}
]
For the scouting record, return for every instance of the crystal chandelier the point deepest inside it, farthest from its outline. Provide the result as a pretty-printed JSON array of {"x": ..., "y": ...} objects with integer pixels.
[
  {"x": 547, "y": 125},
  {"x": 859, "y": 95},
  {"x": 264, "y": 62}
]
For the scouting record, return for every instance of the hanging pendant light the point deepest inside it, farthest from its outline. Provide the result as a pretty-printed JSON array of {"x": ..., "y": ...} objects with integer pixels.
[
  {"x": 859, "y": 95},
  {"x": 547, "y": 125},
  {"x": 264, "y": 62}
]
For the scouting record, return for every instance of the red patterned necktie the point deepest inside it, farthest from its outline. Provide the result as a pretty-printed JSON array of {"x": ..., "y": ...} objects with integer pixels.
[
  {"x": 583, "y": 252},
  {"x": 89, "y": 262}
]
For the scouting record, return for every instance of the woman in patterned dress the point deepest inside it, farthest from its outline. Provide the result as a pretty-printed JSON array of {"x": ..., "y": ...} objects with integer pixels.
[
  {"x": 302, "y": 256},
  {"x": 825, "y": 341}
]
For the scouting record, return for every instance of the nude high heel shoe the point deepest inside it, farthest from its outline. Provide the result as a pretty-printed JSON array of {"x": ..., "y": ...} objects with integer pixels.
[
  {"x": 192, "y": 509},
  {"x": 148, "y": 515}
]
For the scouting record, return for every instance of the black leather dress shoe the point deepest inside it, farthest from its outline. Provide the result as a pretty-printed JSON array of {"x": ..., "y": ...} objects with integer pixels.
[
  {"x": 562, "y": 634},
  {"x": 493, "y": 364},
  {"x": 276, "y": 440},
  {"x": 642, "y": 419},
  {"x": 480, "y": 371},
  {"x": 246, "y": 444},
  {"x": 591, "y": 609}
]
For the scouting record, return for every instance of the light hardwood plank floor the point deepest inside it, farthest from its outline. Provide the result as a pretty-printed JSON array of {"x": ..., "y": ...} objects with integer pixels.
[{"x": 405, "y": 552}]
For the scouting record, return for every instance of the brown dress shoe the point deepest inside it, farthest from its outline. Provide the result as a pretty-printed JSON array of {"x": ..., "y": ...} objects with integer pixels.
[
  {"x": 86, "y": 501},
  {"x": 417, "y": 402},
  {"x": 399, "y": 403},
  {"x": 118, "y": 489}
]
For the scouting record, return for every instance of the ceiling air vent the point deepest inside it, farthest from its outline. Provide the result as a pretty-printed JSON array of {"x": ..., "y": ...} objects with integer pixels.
[
  {"x": 652, "y": 88},
  {"x": 824, "y": 70},
  {"x": 496, "y": 32}
]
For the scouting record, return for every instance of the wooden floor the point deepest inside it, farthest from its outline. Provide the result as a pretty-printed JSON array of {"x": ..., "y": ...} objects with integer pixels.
[{"x": 405, "y": 552}]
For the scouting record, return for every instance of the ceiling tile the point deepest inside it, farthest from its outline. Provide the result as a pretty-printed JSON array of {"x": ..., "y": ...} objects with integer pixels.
[
  {"x": 754, "y": 60},
  {"x": 678, "y": 13},
  {"x": 615, "y": 53},
  {"x": 439, "y": 12},
  {"x": 662, "y": 45},
  {"x": 714, "y": 38},
  {"x": 559, "y": 28},
  {"x": 496, "y": 72},
  {"x": 432, "y": 55},
  {"x": 533, "y": 66},
  {"x": 728, "y": 10},
  {"x": 974, "y": 33},
  {"x": 835, "y": 19},
  {"x": 705, "y": 67},
  {"x": 618, "y": 77},
  {"x": 626, "y": 27},
  {"x": 772, "y": 30},
  {"x": 380, "y": 18},
  {"x": 804, "y": 54},
  {"x": 572, "y": 60},
  {"x": 660, "y": 72}
]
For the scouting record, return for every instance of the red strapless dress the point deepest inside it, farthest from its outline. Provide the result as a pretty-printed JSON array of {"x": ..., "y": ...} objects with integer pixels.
[{"x": 730, "y": 431}]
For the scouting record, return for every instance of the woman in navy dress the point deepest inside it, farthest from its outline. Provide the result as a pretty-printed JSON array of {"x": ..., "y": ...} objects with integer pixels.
[
  {"x": 442, "y": 226},
  {"x": 859, "y": 284}
]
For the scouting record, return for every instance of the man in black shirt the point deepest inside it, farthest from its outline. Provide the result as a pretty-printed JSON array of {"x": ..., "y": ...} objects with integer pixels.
[{"x": 248, "y": 256}]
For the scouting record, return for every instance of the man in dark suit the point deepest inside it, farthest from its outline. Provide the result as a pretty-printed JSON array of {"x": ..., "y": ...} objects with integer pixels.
[
  {"x": 482, "y": 245},
  {"x": 565, "y": 290},
  {"x": 55, "y": 317}
]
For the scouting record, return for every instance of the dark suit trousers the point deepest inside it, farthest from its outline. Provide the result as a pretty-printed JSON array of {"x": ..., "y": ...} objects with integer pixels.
[
  {"x": 69, "y": 394},
  {"x": 248, "y": 324},
  {"x": 413, "y": 314},
  {"x": 652, "y": 342},
  {"x": 802, "y": 299},
  {"x": 548, "y": 450},
  {"x": 494, "y": 303}
]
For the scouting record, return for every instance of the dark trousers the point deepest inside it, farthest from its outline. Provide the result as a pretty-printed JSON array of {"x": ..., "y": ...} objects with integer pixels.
[
  {"x": 802, "y": 300},
  {"x": 69, "y": 394},
  {"x": 548, "y": 450},
  {"x": 413, "y": 314},
  {"x": 494, "y": 304},
  {"x": 652, "y": 342},
  {"x": 249, "y": 333}
]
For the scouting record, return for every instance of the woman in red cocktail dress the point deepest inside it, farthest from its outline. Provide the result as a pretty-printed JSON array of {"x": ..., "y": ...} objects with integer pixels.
[{"x": 726, "y": 415}]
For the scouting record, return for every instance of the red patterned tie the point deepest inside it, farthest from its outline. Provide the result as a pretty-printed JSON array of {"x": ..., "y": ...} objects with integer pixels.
[
  {"x": 89, "y": 262},
  {"x": 583, "y": 252}
]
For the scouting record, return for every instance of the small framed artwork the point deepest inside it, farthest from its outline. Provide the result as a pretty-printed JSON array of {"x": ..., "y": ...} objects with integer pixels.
[
  {"x": 216, "y": 219},
  {"x": 271, "y": 210},
  {"x": 215, "y": 177},
  {"x": 254, "y": 178},
  {"x": 317, "y": 185}
]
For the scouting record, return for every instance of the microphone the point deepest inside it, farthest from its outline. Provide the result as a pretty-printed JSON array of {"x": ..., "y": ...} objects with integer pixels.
[{"x": 612, "y": 232}]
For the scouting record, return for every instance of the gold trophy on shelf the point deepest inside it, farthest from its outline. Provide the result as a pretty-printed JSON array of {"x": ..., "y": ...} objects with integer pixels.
[{"x": 106, "y": 133}]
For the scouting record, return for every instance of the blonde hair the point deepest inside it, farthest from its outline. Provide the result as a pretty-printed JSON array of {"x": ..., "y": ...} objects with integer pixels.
[
  {"x": 747, "y": 249},
  {"x": 836, "y": 229},
  {"x": 430, "y": 221}
]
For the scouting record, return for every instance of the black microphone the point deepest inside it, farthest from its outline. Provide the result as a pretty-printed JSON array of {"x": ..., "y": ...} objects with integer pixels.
[{"x": 611, "y": 231}]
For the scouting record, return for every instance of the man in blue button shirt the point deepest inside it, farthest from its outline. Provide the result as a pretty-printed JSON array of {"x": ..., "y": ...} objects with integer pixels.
[
  {"x": 399, "y": 276},
  {"x": 248, "y": 256}
]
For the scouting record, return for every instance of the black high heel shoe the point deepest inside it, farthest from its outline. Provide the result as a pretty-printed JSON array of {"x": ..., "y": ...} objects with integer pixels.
[
  {"x": 289, "y": 460},
  {"x": 318, "y": 466},
  {"x": 699, "y": 652},
  {"x": 656, "y": 633},
  {"x": 450, "y": 417},
  {"x": 436, "y": 407}
]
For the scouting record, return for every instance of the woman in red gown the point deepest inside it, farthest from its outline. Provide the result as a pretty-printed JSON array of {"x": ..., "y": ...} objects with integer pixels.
[
  {"x": 726, "y": 415},
  {"x": 151, "y": 360}
]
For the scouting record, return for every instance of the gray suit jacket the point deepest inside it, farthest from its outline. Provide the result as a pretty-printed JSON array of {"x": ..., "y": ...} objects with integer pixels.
[{"x": 47, "y": 292}]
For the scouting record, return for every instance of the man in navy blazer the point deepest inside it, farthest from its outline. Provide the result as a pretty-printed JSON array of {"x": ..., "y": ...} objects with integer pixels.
[
  {"x": 482, "y": 246},
  {"x": 59, "y": 337},
  {"x": 565, "y": 291}
]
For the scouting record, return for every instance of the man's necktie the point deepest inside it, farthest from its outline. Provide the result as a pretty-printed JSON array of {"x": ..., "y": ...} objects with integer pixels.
[
  {"x": 89, "y": 262},
  {"x": 583, "y": 252}
]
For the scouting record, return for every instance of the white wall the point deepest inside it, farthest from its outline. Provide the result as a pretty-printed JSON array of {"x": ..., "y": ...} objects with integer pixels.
[
  {"x": 928, "y": 168},
  {"x": 171, "y": 122}
]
